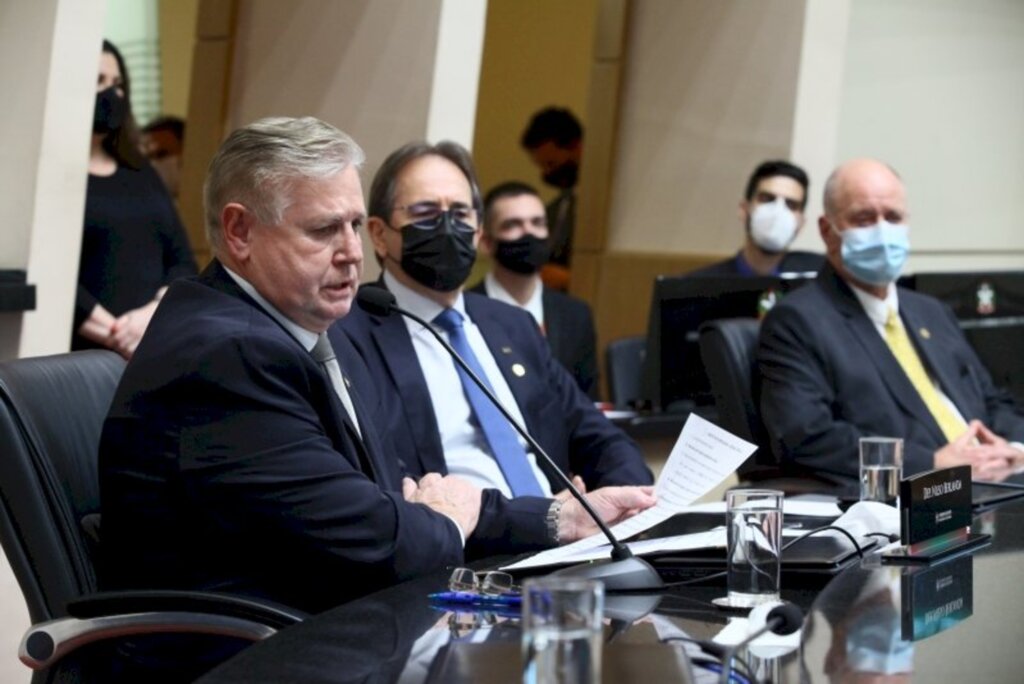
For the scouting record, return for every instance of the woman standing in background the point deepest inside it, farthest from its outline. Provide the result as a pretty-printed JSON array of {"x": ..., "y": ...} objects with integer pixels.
[{"x": 133, "y": 244}]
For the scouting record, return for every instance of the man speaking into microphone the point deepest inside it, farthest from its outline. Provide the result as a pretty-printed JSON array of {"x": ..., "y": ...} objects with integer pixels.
[{"x": 424, "y": 223}]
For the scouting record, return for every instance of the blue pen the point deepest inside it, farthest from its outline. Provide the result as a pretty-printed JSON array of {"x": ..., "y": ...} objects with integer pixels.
[{"x": 465, "y": 598}]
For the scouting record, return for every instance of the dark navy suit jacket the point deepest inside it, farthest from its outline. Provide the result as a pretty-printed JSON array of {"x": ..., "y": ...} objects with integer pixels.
[
  {"x": 828, "y": 378},
  {"x": 558, "y": 415},
  {"x": 792, "y": 262},
  {"x": 569, "y": 331},
  {"x": 228, "y": 463}
]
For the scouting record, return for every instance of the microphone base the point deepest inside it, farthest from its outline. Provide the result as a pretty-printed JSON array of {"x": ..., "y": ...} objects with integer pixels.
[{"x": 630, "y": 574}]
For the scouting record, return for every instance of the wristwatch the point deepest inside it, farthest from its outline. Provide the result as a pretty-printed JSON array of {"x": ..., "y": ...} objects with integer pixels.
[{"x": 552, "y": 520}]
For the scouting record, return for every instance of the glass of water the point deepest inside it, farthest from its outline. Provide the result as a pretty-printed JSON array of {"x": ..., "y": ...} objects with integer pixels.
[
  {"x": 881, "y": 469},
  {"x": 754, "y": 520},
  {"x": 562, "y": 630}
]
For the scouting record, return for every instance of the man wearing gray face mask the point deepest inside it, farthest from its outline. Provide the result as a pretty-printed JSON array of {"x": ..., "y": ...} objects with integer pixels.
[
  {"x": 772, "y": 213},
  {"x": 851, "y": 355}
]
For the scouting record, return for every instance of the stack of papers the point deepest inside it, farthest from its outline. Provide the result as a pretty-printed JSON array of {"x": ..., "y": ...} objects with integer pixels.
[{"x": 703, "y": 456}]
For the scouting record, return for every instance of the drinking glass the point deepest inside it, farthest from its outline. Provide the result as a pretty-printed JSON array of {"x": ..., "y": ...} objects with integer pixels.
[
  {"x": 754, "y": 520},
  {"x": 562, "y": 630},
  {"x": 881, "y": 469}
]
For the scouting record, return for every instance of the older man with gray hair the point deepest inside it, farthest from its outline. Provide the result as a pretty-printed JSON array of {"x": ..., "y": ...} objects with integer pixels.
[
  {"x": 239, "y": 454},
  {"x": 852, "y": 355}
]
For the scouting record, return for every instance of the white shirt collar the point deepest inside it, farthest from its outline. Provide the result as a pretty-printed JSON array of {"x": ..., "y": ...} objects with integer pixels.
[
  {"x": 414, "y": 302},
  {"x": 307, "y": 338},
  {"x": 878, "y": 309},
  {"x": 534, "y": 305}
]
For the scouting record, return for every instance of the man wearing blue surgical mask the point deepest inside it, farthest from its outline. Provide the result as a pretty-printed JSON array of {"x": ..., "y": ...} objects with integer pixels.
[
  {"x": 772, "y": 213},
  {"x": 852, "y": 355}
]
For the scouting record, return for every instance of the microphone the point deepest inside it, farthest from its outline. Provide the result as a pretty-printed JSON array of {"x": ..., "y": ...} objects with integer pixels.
[
  {"x": 783, "y": 619},
  {"x": 624, "y": 571}
]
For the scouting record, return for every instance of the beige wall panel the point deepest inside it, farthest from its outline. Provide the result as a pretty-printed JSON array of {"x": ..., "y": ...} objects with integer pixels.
[
  {"x": 818, "y": 103},
  {"x": 51, "y": 51},
  {"x": 609, "y": 39},
  {"x": 597, "y": 168},
  {"x": 934, "y": 87},
  {"x": 365, "y": 67},
  {"x": 536, "y": 53},
  {"x": 625, "y": 285},
  {"x": 177, "y": 22},
  {"x": 708, "y": 92},
  {"x": 205, "y": 131},
  {"x": 216, "y": 19}
]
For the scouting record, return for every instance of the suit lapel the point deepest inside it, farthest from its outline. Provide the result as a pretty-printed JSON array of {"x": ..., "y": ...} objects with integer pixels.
[
  {"x": 554, "y": 326},
  {"x": 889, "y": 369},
  {"x": 504, "y": 351},
  {"x": 940, "y": 367},
  {"x": 522, "y": 379},
  {"x": 391, "y": 336}
]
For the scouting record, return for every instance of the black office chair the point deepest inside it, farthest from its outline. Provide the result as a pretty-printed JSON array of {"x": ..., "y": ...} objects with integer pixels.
[
  {"x": 728, "y": 348},
  {"x": 51, "y": 413},
  {"x": 624, "y": 362}
]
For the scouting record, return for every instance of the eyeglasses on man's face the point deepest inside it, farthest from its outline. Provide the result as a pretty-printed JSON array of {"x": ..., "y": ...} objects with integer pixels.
[{"x": 428, "y": 215}]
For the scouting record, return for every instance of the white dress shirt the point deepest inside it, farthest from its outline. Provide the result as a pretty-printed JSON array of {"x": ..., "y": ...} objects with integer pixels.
[
  {"x": 466, "y": 451},
  {"x": 877, "y": 311},
  {"x": 534, "y": 305}
]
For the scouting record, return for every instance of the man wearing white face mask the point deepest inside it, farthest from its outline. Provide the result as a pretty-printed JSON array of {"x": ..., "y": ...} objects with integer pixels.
[
  {"x": 851, "y": 355},
  {"x": 772, "y": 214}
]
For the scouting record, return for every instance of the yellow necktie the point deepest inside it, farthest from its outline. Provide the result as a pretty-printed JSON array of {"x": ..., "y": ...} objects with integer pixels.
[{"x": 903, "y": 349}]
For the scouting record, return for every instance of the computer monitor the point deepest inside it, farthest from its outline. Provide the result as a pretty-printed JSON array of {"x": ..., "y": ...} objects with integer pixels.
[
  {"x": 990, "y": 308},
  {"x": 674, "y": 377}
]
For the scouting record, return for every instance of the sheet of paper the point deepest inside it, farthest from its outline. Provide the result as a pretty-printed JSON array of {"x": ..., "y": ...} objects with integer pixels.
[
  {"x": 808, "y": 508},
  {"x": 702, "y": 457},
  {"x": 683, "y": 542}
]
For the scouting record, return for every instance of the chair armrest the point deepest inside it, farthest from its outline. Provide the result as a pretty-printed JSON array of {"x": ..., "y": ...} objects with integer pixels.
[
  {"x": 46, "y": 643},
  {"x": 102, "y": 604},
  {"x": 110, "y": 615}
]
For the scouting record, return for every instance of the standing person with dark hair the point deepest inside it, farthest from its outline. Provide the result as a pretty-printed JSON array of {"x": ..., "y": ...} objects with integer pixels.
[
  {"x": 772, "y": 213},
  {"x": 133, "y": 244},
  {"x": 515, "y": 236},
  {"x": 554, "y": 141},
  {"x": 163, "y": 140}
]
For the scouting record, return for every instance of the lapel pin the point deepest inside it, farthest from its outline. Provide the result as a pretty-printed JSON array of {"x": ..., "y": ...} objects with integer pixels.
[
  {"x": 518, "y": 370},
  {"x": 926, "y": 334},
  {"x": 506, "y": 350}
]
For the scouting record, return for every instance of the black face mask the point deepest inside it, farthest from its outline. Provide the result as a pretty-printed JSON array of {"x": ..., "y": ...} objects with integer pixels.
[
  {"x": 109, "y": 113},
  {"x": 525, "y": 255},
  {"x": 440, "y": 257},
  {"x": 564, "y": 176}
]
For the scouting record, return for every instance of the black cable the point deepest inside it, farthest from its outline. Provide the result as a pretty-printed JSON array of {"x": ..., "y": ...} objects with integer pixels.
[
  {"x": 860, "y": 551},
  {"x": 747, "y": 674},
  {"x": 694, "y": 580}
]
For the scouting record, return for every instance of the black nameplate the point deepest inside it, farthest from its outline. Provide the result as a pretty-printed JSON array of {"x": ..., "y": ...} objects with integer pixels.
[
  {"x": 934, "y": 504},
  {"x": 936, "y": 598}
]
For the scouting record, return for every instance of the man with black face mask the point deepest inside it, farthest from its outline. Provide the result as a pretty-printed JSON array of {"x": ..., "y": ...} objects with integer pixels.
[
  {"x": 515, "y": 236},
  {"x": 423, "y": 221},
  {"x": 554, "y": 141}
]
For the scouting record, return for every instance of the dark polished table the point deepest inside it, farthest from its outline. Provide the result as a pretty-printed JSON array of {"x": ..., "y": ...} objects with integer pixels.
[{"x": 958, "y": 621}]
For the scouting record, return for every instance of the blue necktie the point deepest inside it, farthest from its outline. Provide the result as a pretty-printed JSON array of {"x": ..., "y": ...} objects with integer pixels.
[{"x": 505, "y": 447}]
